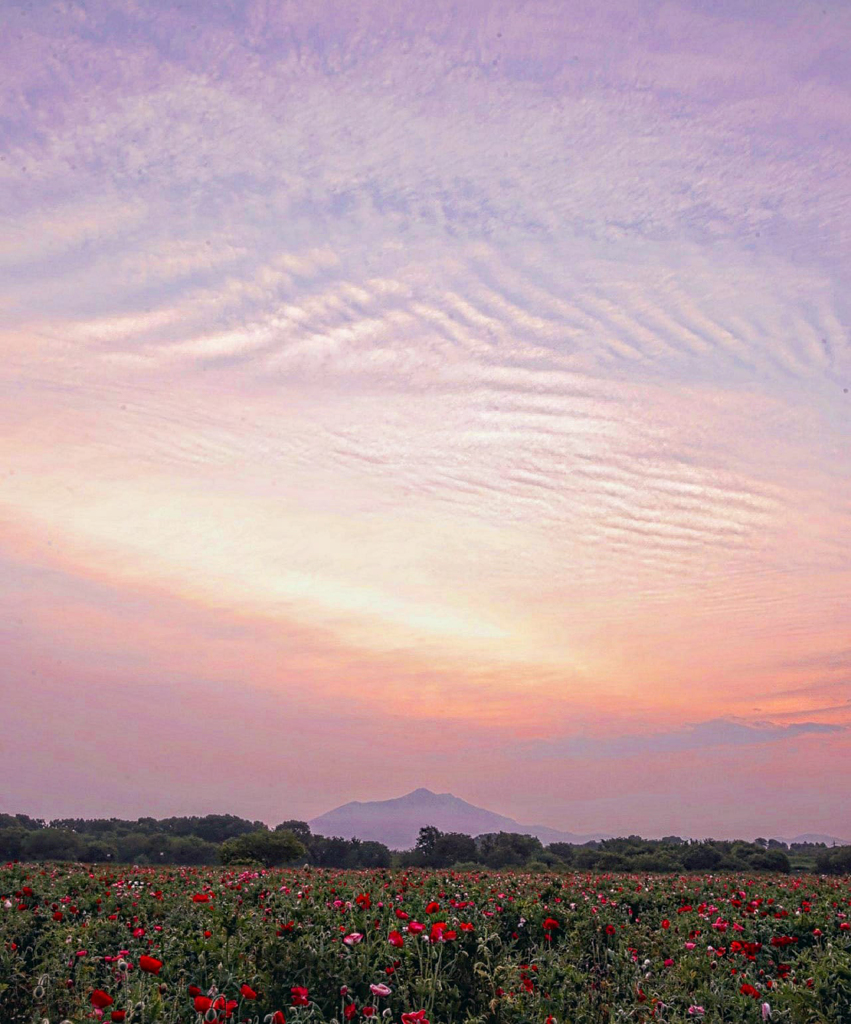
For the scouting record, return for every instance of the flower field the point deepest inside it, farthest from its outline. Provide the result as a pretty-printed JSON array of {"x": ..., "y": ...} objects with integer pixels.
[{"x": 146, "y": 944}]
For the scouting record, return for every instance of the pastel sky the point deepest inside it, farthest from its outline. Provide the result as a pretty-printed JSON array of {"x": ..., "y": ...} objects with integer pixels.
[{"x": 428, "y": 394}]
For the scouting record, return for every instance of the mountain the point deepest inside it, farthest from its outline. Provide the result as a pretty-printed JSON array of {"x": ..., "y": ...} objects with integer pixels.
[
  {"x": 815, "y": 837},
  {"x": 397, "y": 822}
]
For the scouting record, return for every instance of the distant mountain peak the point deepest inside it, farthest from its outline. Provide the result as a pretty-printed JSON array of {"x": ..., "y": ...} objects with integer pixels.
[{"x": 397, "y": 821}]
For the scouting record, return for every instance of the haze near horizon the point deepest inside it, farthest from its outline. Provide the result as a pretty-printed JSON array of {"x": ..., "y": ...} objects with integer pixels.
[{"x": 428, "y": 395}]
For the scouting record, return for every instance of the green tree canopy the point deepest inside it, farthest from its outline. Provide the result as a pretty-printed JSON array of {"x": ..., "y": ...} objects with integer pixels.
[{"x": 271, "y": 849}]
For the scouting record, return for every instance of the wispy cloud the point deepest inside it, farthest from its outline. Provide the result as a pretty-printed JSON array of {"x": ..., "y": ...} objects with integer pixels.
[
  {"x": 500, "y": 365},
  {"x": 718, "y": 732}
]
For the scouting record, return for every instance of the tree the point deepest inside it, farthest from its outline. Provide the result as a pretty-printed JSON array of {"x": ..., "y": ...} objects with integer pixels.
[
  {"x": 192, "y": 850},
  {"x": 135, "y": 847},
  {"x": 427, "y": 841},
  {"x": 21, "y": 821},
  {"x": 371, "y": 854},
  {"x": 507, "y": 849},
  {"x": 215, "y": 828},
  {"x": 835, "y": 860},
  {"x": 564, "y": 851},
  {"x": 300, "y": 829},
  {"x": 51, "y": 844},
  {"x": 12, "y": 842},
  {"x": 330, "y": 851},
  {"x": 452, "y": 848},
  {"x": 586, "y": 858},
  {"x": 97, "y": 850},
  {"x": 659, "y": 861},
  {"x": 701, "y": 857},
  {"x": 771, "y": 860},
  {"x": 271, "y": 849}
]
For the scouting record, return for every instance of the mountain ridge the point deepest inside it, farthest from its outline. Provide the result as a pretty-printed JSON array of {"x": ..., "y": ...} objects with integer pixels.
[{"x": 396, "y": 822}]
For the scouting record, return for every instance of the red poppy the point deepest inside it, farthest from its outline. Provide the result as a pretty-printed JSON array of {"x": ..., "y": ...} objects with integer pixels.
[
  {"x": 228, "y": 1005},
  {"x": 194, "y": 990},
  {"x": 550, "y": 923},
  {"x": 278, "y": 1017},
  {"x": 749, "y": 990},
  {"x": 201, "y": 897},
  {"x": 610, "y": 929},
  {"x": 364, "y": 901},
  {"x": 432, "y": 908},
  {"x": 666, "y": 923},
  {"x": 150, "y": 964},
  {"x": 350, "y": 1010},
  {"x": 395, "y": 939},
  {"x": 368, "y": 1011},
  {"x": 417, "y": 1017},
  {"x": 118, "y": 1016},
  {"x": 100, "y": 999},
  {"x": 247, "y": 992},
  {"x": 299, "y": 995},
  {"x": 202, "y": 1004}
]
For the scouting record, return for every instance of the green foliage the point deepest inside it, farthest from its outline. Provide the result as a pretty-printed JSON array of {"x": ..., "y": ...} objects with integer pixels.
[
  {"x": 300, "y": 829},
  {"x": 191, "y": 840},
  {"x": 199, "y": 840},
  {"x": 565, "y": 852},
  {"x": 51, "y": 844},
  {"x": 507, "y": 849},
  {"x": 271, "y": 849},
  {"x": 498, "y": 946},
  {"x": 436, "y": 849},
  {"x": 834, "y": 861}
]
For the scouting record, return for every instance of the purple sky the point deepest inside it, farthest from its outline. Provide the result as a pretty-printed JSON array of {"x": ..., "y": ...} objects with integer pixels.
[{"x": 433, "y": 394}]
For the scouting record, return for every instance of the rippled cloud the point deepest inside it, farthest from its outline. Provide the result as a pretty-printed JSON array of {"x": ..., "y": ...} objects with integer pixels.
[{"x": 485, "y": 369}]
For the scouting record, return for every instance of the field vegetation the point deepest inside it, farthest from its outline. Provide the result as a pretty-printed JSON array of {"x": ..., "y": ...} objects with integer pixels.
[{"x": 185, "y": 945}]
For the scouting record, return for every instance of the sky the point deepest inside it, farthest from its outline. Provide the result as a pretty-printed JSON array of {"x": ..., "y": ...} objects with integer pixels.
[{"x": 428, "y": 394}]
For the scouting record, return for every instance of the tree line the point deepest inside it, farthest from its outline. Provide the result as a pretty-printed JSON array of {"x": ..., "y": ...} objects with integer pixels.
[
  {"x": 672, "y": 854},
  {"x": 229, "y": 839}
]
